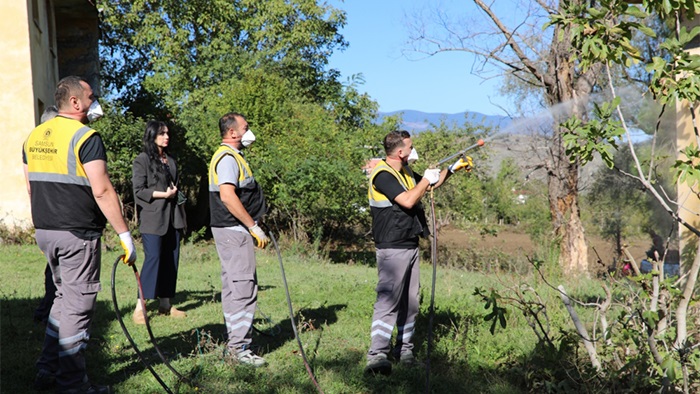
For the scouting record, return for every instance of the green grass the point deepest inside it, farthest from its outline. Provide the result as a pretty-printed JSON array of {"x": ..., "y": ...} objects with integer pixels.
[{"x": 333, "y": 308}]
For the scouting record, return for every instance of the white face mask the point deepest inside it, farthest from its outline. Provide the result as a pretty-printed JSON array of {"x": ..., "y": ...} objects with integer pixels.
[
  {"x": 248, "y": 138},
  {"x": 95, "y": 111},
  {"x": 413, "y": 156}
]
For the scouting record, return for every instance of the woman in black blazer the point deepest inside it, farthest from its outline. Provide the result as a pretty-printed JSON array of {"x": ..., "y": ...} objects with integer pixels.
[{"x": 161, "y": 219}]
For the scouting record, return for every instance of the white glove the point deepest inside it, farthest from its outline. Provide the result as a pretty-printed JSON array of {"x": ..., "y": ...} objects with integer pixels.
[
  {"x": 432, "y": 175},
  {"x": 129, "y": 249},
  {"x": 259, "y": 236}
]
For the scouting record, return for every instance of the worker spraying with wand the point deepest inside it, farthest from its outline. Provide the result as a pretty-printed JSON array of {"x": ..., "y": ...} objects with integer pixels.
[{"x": 398, "y": 221}]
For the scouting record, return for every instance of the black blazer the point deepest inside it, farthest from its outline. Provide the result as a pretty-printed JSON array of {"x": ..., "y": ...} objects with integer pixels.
[{"x": 155, "y": 215}]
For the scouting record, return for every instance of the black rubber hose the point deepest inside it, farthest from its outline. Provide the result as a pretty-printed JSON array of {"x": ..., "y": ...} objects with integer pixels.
[
  {"x": 150, "y": 331},
  {"x": 431, "y": 313},
  {"x": 291, "y": 313},
  {"x": 126, "y": 332}
]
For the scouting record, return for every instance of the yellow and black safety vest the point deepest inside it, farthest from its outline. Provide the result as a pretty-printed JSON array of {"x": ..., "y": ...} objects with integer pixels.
[
  {"x": 61, "y": 196},
  {"x": 392, "y": 225},
  {"x": 248, "y": 191}
]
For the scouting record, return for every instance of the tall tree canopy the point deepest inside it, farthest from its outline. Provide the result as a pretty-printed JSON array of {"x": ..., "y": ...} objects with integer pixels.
[{"x": 191, "y": 62}]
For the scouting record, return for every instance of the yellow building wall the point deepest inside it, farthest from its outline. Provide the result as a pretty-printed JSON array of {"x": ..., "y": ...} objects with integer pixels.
[
  {"x": 23, "y": 40},
  {"x": 39, "y": 41},
  {"x": 688, "y": 198}
]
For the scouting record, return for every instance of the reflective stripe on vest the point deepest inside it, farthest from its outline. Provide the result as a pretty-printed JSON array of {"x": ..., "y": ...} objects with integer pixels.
[
  {"x": 245, "y": 175},
  {"x": 405, "y": 178},
  {"x": 53, "y": 150}
]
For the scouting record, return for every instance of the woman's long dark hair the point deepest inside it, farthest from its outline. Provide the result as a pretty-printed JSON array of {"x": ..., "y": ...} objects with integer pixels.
[{"x": 153, "y": 127}]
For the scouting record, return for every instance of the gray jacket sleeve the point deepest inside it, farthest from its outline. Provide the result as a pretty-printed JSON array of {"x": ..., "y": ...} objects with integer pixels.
[{"x": 154, "y": 214}]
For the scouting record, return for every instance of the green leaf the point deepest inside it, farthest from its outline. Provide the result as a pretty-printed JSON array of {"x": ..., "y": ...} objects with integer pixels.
[
  {"x": 647, "y": 31},
  {"x": 669, "y": 365},
  {"x": 651, "y": 318},
  {"x": 633, "y": 10}
]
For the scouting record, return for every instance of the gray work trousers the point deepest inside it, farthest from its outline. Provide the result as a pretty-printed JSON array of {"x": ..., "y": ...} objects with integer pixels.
[
  {"x": 239, "y": 284},
  {"x": 75, "y": 266},
  {"x": 397, "y": 300}
]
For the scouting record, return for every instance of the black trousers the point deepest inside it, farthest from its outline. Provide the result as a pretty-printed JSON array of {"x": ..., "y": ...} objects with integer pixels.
[{"x": 160, "y": 264}]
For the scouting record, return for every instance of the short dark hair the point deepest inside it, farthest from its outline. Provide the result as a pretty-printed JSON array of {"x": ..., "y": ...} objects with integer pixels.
[
  {"x": 67, "y": 87},
  {"x": 228, "y": 121},
  {"x": 394, "y": 140}
]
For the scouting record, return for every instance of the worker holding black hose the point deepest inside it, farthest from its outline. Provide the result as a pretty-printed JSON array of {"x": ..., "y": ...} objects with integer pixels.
[
  {"x": 72, "y": 198},
  {"x": 398, "y": 221},
  {"x": 237, "y": 203}
]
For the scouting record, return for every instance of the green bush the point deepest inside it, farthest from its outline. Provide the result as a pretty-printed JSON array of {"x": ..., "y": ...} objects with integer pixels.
[{"x": 16, "y": 235}]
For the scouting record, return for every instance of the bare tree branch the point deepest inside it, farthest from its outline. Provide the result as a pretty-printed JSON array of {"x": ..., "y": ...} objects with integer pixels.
[
  {"x": 581, "y": 329},
  {"x": 527, "y": 62}
]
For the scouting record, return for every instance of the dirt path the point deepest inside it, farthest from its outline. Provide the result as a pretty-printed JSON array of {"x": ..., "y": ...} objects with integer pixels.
[{"x": 514, "y": 242}]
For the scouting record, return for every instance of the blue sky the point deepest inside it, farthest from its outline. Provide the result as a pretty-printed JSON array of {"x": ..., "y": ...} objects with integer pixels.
[{"x": 376, "y": 32}]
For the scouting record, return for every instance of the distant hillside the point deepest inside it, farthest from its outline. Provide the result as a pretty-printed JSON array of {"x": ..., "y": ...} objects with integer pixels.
[
  {"x": 513, "y": 142},
  {"x": 417, "y": 121},
  {"x": 521, "y": 140}
]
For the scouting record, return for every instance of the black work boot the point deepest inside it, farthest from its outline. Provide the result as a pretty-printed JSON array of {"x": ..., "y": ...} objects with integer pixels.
[
  {"x": 44, "y": 380},
  {"x": 378, "y": 363}
]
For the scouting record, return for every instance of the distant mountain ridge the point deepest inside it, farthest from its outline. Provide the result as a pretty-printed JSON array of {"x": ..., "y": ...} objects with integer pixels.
[
  {"x": 417, "y": 121},
  {"x": 516, "y": 139}
]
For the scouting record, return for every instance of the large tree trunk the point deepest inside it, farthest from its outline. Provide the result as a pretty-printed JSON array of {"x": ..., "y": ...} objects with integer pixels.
[
  {"x": 566, "y": 221},
  {"x": 568, "y": 90}
]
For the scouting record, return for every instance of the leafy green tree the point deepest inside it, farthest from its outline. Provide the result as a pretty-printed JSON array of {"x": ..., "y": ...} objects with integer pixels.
[
  {"x": 462, "y": 196},
  {"x": 191, "y": 62},
  {"x": 534, "y": 214},
  {"x": 169, "y": 49},
  {"x": 501, "y": 192},
  {"x": 123, "y": 134},
  {"x": 619, "y": 207}
]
